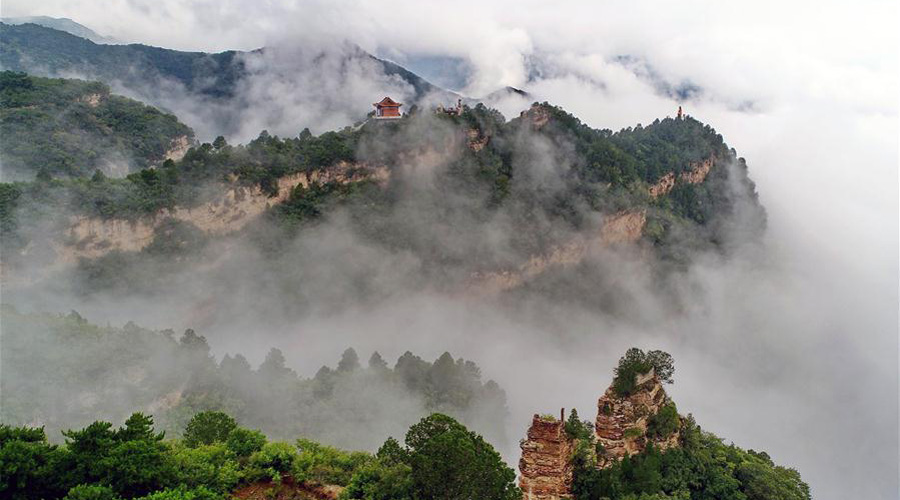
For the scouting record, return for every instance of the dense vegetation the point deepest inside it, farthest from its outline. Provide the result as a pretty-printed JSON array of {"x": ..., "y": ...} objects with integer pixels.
[
  {"x": 595, "y": 171},
  {"x": 637, "y": 362},
  {"x": 72, "y": 128},
  {"x": 109, "y": 372},
  {"x": 441, "y": 460},
  {"x": 701, "y": 468}
]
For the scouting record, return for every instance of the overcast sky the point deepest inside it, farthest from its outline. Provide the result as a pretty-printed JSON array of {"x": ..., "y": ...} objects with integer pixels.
[{"x": 807, "y": 92}]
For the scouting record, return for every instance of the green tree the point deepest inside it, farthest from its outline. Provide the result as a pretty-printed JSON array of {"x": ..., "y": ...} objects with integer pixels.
[
  {"x": 208, "y": 427},
  {"x": 450, "y": 462},
  {"x": 138, "y": 467},
  {"x": 663, "y": 423},
  {"x": 637, "y": 362}
]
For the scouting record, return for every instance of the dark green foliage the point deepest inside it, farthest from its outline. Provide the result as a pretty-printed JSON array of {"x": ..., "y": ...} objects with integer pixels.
[
  {"x": 326, "y": 465},
  {"x": 91, "y": 492},
  {"x": 442, "y": 460},
  {"x": 448, "y": 461},
  {"x": 244, "y": 442},
  {"x": 208, "y": 427},
  {"x": 126, "y": 462},
  {"x": 702, "y": 468},
  {"x": 70, "y": 128},
  {"x": 30, "y": 467},
  {"x": 578, "y": 429},
  {"x": 637, "y": 362},
  {"x": 184, "y": 493},
  {"x": 663, "y": 423},
  {"x": 272, "y": 461}
]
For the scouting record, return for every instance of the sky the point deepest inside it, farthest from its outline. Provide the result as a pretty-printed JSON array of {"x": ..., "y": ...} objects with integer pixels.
[{"x": 807, "y": 92}]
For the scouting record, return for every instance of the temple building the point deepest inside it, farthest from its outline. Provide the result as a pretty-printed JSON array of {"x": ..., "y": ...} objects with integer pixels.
[{"x": 387, "y": 109}]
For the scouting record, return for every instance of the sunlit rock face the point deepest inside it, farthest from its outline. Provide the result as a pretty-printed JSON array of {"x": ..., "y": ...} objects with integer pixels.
[
  {"x": 621, "y": 425},
  {"x": 545, "y": 469}
]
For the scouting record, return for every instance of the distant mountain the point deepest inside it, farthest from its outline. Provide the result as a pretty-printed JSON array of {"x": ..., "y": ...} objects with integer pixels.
[
  {"x": 226, "y": 92},
  {"x": 71, "y": 128},
  {"x": 61, "y": 24},
  {"x": 50, "y": 52}
]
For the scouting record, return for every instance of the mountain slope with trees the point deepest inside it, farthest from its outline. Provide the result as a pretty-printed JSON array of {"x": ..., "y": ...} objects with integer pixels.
[
  {"x": 74, "y": 128},
  {"x": 110, "y": 372},
  {"x": 49, "y": 52}
]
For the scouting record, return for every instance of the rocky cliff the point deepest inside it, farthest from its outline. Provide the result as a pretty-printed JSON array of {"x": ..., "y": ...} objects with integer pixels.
[
  {"x": 621, "y": 428},
  {"x": 621, "y": 228},
  {"x": 621, "y": 425},
  {"x": 545, "y": 467},
  {"x": 93, "y": 237}
]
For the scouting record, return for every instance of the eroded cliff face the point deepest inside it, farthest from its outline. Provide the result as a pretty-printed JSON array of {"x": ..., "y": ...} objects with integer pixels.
[
  {"x": 179, "y": 147},
  {"x": 93, "y": 237},
  {"x": 698, "y": 171},
  {"x": 621, "y": 228},
  {"x": 695, "y": 174},
  {"x": 621, "y": 425},
  {"x": 538, "y": 114},
  {"x": 545, "y": 469}
]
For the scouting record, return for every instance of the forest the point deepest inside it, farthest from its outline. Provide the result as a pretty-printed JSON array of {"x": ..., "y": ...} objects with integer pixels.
[{"x": 72, "y": 128}]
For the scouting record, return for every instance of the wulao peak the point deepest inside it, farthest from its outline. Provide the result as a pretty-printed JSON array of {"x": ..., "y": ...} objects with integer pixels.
[{"x": 631, "y": 415}]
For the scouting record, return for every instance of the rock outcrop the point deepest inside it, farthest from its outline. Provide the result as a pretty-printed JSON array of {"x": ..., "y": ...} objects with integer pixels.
[
  {"x": 621, "y": 425},
  {"x": 545, "y": 467},
  {"x": 475, "y": 140},
  {"x": 537, "y": 114},
  {"x": 93, "y": 237},
  {"x": 620, "y": 228},
  {"x": 695, "y": 174},
  {"x": 663, "y": 185},
  {"x": 698, "y": 171},
  {"x": 178, "y": 148}
]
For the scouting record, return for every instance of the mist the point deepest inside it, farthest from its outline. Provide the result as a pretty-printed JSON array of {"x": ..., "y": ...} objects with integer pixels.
[{"x": 788, "y": 345}]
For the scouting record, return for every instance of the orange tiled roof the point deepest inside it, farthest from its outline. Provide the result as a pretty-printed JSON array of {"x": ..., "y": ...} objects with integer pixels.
[{"x": 387, "y": 101}]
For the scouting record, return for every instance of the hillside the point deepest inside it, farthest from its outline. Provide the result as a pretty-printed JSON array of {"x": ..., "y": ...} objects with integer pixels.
[
  {"x": 663, "y": 456},
  {"x": 639, "y": 447},
  {"x": 60, "y": 24},
  {"x": 109, "y": 372},
  {"x": 482, "y": 203},
  {"x": 217, "y": 93},
  {"x": 73, "y": 128}
]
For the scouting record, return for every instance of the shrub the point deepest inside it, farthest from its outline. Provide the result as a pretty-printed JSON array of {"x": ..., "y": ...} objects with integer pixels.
[
  {"x": 273, "y": 460},
  {"x": 212, "y": 466},
  {"x": 91, "y": 492},
  {"x": 244, "y": 442},
  {"x": 324, "y": 464},
  {"x": 183, "y": 493},
  {"x": 633, "y": 432}
]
